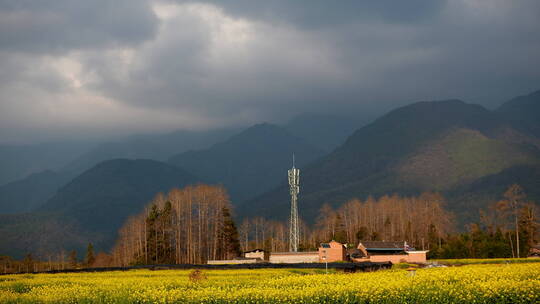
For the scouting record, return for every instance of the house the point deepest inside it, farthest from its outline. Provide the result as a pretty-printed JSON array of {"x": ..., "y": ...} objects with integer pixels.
[
  {"x": 381, "y": 251},
  {"x": 332, "y": 252}
]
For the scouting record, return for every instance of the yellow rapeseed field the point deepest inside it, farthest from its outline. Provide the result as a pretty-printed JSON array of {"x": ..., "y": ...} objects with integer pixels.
[{"x": 505, "y": 283}]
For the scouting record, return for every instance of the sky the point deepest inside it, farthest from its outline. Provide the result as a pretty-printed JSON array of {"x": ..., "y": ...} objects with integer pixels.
[{"x": 96, "y": 69}]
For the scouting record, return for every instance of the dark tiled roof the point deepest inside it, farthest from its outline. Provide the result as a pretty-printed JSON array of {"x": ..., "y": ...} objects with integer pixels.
[
  {"x": 355, "y": 253},
  {"x": 381, "y": 244}
]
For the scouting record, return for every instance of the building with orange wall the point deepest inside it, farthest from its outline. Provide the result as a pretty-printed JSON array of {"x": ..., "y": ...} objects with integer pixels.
[
  {"x": 395, "y": 252},
  {"x": 332, "y": 252}
]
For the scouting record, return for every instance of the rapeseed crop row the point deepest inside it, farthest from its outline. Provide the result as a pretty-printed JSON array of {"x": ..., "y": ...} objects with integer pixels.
[{"x": 512, "y": 283}]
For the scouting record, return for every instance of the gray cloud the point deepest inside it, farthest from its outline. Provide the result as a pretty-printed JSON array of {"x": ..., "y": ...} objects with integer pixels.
[
  {"x": 59, "y": 26},
  {"x": 120, "y": 67},
  {"x": 316, "y": 14}
]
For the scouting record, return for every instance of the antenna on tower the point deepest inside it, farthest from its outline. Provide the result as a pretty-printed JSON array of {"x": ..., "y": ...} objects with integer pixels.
[{"x": 294, "y": 188}]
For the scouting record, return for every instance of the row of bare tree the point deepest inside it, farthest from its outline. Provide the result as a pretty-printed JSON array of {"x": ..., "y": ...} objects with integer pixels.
[
  {"x": 414, "y": 219},
  {"x": 190, "y": 225}
]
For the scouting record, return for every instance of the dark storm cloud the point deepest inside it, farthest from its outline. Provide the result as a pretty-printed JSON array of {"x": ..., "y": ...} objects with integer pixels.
[
  {"x": 60, "y": 25},
  {"x": 320, "y": 13},
  {"x": 105, "y": 66}
]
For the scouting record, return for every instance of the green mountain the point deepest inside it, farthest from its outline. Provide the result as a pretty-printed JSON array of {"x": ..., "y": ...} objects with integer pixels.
[
  {"x": 435, "y": 146},
  {"x": 249, "y": 163},
  {"x": 90, "y": 208},
  {"x": 488, "y": 189}
]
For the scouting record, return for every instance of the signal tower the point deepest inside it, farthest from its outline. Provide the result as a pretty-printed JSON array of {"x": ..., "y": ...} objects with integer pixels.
[{"x": 294, "y": 188}]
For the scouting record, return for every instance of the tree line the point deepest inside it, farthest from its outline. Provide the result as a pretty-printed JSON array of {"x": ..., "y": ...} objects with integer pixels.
[
  {"x": 507, "y": 228},
  {"x": 190, "y": 225},
  {"x": 414, "y": 219},
  {"x": 194, "y": 224}
]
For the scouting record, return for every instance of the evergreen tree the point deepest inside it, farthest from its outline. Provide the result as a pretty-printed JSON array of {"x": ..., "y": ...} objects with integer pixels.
[
  {"x": 165, "y": 241},
  {"x": 362, "y": 234},
  {"x": 90, "y": 259},
  {"x": 340, "y": 235},
  {"x": 151, "y": 235},
  {"x": 230, "y": 235}
]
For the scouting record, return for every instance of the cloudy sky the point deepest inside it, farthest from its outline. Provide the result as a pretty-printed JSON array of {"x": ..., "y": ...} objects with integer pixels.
[{"x": 81, "y": 69}]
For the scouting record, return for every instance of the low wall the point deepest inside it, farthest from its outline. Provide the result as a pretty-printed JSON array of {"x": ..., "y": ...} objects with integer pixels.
[
  {"x": 409, "y": 257},
  {"x": 417, "y": 256},
  {"x": 227, "y": 262},
  {"x": 394, "y": 258},
  {"x": 294, "y": 257}
]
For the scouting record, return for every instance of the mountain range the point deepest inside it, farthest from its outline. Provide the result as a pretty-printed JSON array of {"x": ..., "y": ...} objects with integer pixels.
[
  {"x": 468, "y": 153},
  {"x": 447, "y": 146}
]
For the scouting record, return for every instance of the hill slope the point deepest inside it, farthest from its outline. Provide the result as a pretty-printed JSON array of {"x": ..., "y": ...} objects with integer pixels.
[
  {"x": 523, "y": 112},
  {"x": 29, "y": 193},
  {"x": 249, "y": 163}
]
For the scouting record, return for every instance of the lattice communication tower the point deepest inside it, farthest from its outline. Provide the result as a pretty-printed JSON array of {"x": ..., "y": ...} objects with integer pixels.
[{"x": 294, "y": 186}]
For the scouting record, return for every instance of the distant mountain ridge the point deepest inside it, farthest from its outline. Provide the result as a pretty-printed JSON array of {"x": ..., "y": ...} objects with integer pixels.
[
  {"x": 20, "y": 161},
  {"x": 30, "y": 192},
  {"x": 150, "y": 146}
]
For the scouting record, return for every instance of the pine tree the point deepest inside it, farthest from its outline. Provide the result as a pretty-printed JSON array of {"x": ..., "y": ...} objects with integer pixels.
[
  {"x": 230, "y": 235},
  {"x": 90, "y": 259},
  {"x": 151, "y": 234}
]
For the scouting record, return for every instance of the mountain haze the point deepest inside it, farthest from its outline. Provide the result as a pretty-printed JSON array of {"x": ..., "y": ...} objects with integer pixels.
[
  {"x": 323, "y": 131},
  {"x": 149, "y": 146}
]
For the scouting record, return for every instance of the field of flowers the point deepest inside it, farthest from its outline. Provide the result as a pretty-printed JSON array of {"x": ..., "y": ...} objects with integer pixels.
[
  {"x": 502, "y": 283},
  {"x": 485, "y": 261}
]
